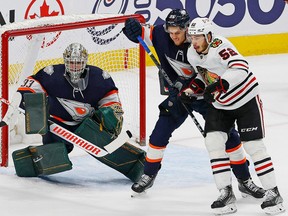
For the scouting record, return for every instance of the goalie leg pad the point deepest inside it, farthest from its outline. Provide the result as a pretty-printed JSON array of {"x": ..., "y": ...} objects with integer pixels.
[
  {"x": 128, "y": 159},
  {"x": 36, "y": 115},
  {"x": 48, "y": 159},
  {"x": 23, "y": 163}
]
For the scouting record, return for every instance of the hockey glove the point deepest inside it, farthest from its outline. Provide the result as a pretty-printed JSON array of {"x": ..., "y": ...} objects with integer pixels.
[
  {"x": 181, "y": 83},
  {"x": 187, "y": 96},
  {"x": 111, "y": 118},
  {"x": 132, "y": 29},
  {"x": 195, "y": 88},
  {"x": 173, "y": 92},
  {"x": 171, "y": 106},
  {"x": 219, "y": 86}
]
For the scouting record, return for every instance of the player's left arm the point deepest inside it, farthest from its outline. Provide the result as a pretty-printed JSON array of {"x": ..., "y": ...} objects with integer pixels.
[{"x": 30, "y": 85}]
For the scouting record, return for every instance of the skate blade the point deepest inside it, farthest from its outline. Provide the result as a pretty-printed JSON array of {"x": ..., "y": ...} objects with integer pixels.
[
  {"x": 274, "y": 210},
  {"x": 229, "y": 209},
  {"x": 138, "y": 195}
]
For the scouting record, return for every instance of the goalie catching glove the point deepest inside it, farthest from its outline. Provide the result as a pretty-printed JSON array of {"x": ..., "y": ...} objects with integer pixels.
[
  {"x": 219, "y": 86},
  {"x": 132, "y": 29},
  {"x": 111, "y": 118}
]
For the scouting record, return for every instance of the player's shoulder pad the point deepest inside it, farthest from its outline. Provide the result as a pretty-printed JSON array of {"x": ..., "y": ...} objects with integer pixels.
[
  {"x": 216, "y": 43},
  {"x": 49, "y": 69},
  {"x": 98, "y": 72},
  {"x": 105, "y": 75}
]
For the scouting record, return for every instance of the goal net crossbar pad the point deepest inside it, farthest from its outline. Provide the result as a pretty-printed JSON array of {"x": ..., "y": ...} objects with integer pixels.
[{"x": 28, "y": 46}]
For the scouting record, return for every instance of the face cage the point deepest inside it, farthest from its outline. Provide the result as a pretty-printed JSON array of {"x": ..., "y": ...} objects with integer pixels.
[{"x": 75, "y": 69}]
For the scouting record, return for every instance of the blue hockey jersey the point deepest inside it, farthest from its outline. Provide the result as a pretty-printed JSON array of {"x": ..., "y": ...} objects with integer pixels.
[
  {"x": 68, "y": 104},
  {"x": 163, "y": 44}
]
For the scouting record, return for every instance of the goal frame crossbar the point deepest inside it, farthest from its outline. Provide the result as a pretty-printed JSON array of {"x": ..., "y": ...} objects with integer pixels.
[{"x": 62, "y": 27}]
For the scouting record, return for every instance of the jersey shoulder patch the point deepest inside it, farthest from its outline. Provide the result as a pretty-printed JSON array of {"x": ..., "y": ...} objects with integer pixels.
[
  {"x": 105, "y": 74},
  {"x": 49, "y": 69},
  {"x": 216, "y": 42}
]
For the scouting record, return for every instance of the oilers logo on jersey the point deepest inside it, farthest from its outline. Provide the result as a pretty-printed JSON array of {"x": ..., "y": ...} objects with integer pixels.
[{"x": 76, "y": 109}]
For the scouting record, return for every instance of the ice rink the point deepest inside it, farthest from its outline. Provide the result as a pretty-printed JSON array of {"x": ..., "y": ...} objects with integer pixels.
[{"x": 184, "y": 185}]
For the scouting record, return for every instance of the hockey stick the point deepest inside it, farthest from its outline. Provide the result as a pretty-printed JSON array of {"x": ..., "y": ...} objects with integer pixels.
[
  {"x": 76, "y": 140},
  {"x": 144, "y": 45}
]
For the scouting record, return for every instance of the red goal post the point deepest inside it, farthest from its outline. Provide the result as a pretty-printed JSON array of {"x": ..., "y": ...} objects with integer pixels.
[{"x": 31, "y": 45}]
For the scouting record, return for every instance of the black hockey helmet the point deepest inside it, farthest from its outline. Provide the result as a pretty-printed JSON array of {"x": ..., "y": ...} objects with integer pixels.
[{"x": 177, "y": 17}]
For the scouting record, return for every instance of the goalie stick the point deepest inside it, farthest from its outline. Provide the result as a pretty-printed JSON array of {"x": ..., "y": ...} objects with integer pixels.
[
  {"x": 76, "y": 140},
  {"x": 156, "y": 62}
]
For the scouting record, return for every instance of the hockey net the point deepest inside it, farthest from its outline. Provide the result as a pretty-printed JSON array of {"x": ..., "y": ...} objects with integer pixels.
[{"x": 33, "y": 44}]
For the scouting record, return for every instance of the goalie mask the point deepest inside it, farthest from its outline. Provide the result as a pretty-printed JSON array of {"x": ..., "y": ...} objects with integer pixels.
[{"x": 75, "y": 60}]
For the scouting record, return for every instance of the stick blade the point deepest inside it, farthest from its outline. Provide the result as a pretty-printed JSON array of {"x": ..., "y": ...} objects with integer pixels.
[{"x": 122, "y": 138}]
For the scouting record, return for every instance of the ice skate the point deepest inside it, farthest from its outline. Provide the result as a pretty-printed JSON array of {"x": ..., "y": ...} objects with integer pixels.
[
  {"x": 273, "y": 202},
  {"x": 225, "y": 204},
  {"x": 144, "y": 183},
  {"x": 249, "y": 188}
]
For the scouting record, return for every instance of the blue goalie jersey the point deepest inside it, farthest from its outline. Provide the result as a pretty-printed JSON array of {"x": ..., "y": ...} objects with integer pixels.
[{"x": 68, "y": 104}]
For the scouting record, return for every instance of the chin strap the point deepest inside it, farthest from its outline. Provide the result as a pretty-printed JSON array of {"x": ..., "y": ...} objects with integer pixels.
[
  {"x": 82, "y": 83},
  {"x": 77, "y": 90}
]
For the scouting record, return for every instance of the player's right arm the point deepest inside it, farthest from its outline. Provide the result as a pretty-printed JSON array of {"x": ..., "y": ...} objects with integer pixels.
[{"x": 30, "y": 85}]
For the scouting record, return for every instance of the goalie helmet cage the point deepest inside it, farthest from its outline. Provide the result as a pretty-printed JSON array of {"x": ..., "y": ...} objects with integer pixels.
[{"x": 33, "y": 44}]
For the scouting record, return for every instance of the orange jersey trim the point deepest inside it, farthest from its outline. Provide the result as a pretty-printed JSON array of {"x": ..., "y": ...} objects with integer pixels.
[
  {"x": 110, "y": 93},
  {"x": 238, "y": 162},
  {"x": 151, "y": 30},
  {"x": 58, "y": 118},
  {"x": 26, "y": 89},
  {"x": 234, "y": 149},
  {"x": 153, "y": 160},
  {"x": 156, "y": 147},
  {"x": 110, "y": 103}
]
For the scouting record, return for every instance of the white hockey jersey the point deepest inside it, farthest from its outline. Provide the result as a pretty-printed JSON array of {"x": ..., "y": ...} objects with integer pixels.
[{"x": 223, "y": 60}]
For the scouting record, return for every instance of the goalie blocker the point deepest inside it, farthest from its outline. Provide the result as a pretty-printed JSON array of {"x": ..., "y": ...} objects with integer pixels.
[{"x": 128, "y": 159}]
